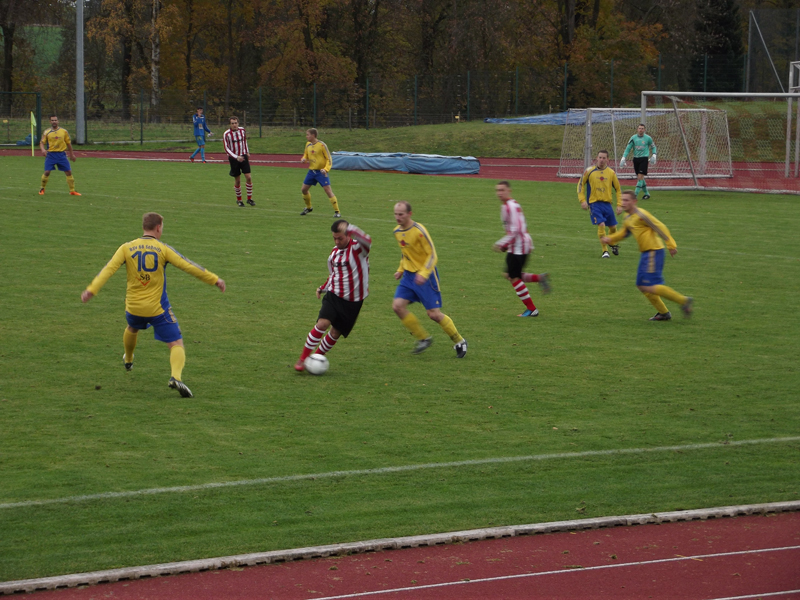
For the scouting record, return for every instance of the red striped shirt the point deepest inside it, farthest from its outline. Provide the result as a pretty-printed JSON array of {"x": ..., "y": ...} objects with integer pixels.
[
  {"x": 517, "y": 239},
  {"x": 235, "y": 143},
  {"x": 348, "y": 268}
]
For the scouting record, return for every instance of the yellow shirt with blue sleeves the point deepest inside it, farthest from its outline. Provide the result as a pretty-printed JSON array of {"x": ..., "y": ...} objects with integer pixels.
[
  {"x": 318, "y": 156},
  {"x": 56, "y": 141},
  {"x": 146, "y": 260},
  {"x": 418, "y": 251},
  {"x": 650, "y": 233},
  {"x": 596, "y": 185}
]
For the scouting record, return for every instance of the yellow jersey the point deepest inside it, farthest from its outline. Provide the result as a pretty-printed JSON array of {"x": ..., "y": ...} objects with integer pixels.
[
  {"x": 418, "y": 251},
  {"x": 596, "y": 185},
  {"x": 146, "y": 260},
  {"x": 318, "y": 156},
  {"x": 650, "y": 233},
  {"x": 56, "y": 140}
]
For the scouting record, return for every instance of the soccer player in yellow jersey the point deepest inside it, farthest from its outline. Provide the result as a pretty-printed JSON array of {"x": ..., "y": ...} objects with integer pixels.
[
  {"x": 319, "y": 162},
  {"x": 146, "y": 302},
  {"x": 54, "y": 144},
  {"x": 419, "y": 281},
  {"x": 651, "y": 234},
  {"x": 594, "y": 193}
]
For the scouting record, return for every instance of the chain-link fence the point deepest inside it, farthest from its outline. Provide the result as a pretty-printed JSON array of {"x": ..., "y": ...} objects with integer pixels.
[{"x": 15, "y": 118}]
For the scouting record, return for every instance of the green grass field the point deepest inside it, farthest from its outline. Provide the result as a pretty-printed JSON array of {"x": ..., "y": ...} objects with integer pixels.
[{"x": 590, "y": 374}]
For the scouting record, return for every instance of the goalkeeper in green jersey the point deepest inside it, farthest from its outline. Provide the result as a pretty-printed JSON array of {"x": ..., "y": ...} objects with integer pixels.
[{"x": 642, "y": 146}]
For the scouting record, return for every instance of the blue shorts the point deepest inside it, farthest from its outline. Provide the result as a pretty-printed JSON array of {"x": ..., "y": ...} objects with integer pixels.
[
  {"x": 165, "y": 325},
  {"x": 651, "y": 266},
  {"x": 316, "y": 177},
  {"x": 201, "y": 140},
  {"x": 56, "y": 159},
  {"x": 428, "y": 294},
  {"x": 602, "y": 212}
]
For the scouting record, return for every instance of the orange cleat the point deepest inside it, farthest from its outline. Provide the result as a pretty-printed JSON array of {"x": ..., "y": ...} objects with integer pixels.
[
  {"x": 74, "y": 194},
  {"x": 41, "y": 192}
]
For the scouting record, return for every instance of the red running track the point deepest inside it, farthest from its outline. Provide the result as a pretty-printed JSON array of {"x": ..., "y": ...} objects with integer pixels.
[{"x": 740, "y": 557}]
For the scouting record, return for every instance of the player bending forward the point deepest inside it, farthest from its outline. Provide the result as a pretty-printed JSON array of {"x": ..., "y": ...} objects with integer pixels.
[
  {"x": 146, "y": 302},
  {"x": 517, "y": 245},
  {"x": 649, "y": 233},
  {"x": 345, "y": 289},
  {"x": 419, "y": 282}
]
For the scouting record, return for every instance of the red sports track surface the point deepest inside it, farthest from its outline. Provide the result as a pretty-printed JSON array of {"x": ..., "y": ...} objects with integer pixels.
[
  {"x": 740, "y": 557},
  {"x": 747, "y": 176}
]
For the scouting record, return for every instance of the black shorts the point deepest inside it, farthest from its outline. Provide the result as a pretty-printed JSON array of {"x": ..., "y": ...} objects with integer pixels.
[
  {"x": 237, "y": 168},
  {"x": 340, "y": 312},
  {"x": 640, "y": 165},
  {"x": 514, "y": 264}
]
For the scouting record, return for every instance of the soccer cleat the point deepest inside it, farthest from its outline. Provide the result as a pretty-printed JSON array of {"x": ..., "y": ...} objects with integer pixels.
[
  {"x": 544, "y": 283},
  {"x": 184, "y": 391},
  {"x": 337, "y": 215},
  {"x": 74, "y": 194},
  {"x": 204, "y": 162},
  {"x": 646, "y": 197},
  {"x": 191, "y": 158},
  {"x": 41, "y": 191},
  {"x": 422, "y": 345},
  {"x": 128, "y": 365},
  {"x": 530, "y": 313},
  {"x": 250, "y": 202},
  {"x": 461, "y": 349},
  {"x": 306, "y": 211},
  {"x": 299, "y": 366},
  {"x": 615, "y": 250},
  {"x": 605, "y": 254},
  {"x": 686, "y": 307},
  {"x": 661, "y": 317},
  {"x": 240, "y": 204}
]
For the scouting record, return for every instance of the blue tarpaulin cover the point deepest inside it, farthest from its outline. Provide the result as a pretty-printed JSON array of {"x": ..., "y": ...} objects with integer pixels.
[
  {"x": 578, "y": 118},
  {"x": 429, "y": 164}
]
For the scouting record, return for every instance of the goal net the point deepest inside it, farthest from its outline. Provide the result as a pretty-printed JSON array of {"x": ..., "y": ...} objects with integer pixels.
[{"x": 692, "y": 141}]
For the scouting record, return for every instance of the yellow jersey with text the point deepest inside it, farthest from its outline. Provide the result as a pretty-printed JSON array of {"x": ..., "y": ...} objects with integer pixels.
[
  {"x": 146, "y": 260},
  {"x": 318, "y": 156},
  {"x": 56, "y": 140},
  {"x": 418, "y": 251},
  {"x": 650, "y": 233},
  {"x": 596, "y": 185}
]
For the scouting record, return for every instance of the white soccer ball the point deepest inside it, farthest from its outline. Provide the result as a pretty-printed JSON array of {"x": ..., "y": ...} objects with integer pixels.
[{"x": 316, "y": 364}]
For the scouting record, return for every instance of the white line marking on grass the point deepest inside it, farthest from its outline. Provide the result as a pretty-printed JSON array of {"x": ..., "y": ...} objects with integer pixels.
[
  {"x": 758, "y": 595},
  {"x": 385, "y": 470},
  {"x": 562, "y": 572}
]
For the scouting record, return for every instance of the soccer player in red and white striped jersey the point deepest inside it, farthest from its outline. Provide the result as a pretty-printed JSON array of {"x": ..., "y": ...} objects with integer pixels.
[
  {"x": 517, "y": 245},
  {"x": 235, "y": 142},
  {"x": 345, "y": 289}
]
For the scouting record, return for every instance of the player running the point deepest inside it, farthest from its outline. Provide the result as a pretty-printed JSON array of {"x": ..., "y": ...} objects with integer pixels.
[
  {"x": 55, "y": 144},
  {"x": 594, "y": 194},
  {"x": 517, "y": 245},
  {"x": 345, "y": 289},
  {"x": 649, "y": 233},
  {"x": 320, "y": 163},
  {"x": 146, "y": 302},
  {"x": 642, "y": 146}
]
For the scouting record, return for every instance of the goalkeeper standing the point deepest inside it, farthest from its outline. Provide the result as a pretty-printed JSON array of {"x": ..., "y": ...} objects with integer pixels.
[{"x": 642, "y": 145}]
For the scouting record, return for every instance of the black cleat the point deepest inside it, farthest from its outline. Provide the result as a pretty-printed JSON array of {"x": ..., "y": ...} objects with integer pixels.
[
  {"x": 461, "y": 349},
  {"x": 251, "y": 203},
  {"x": 646, "y": 197},
  {"x": 184, "y": 391},
  {"x": 686, "y": 307},
  {"x": 605, "y": 254},
  {"x": 337, "y": 215},
  {"x": 240, "y": 204},
  {"x": 128, "y": 365},
  {"x": 306, "y": 211},
  {"x": 661, "y": 317},
  {"x": 422, "y": 345},
  {"x": 614, "y": 250}
]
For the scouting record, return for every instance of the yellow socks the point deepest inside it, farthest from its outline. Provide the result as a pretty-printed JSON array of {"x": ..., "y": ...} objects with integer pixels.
[
  {"x": 129, "y": 342},
  {"x": 657, "y": 302},
  {"x": 334, "y": 203},
  {"x": 307, "y": 200},
  {"x": 412, "y": 324},
  {"x": 612, "y": 229},
  {"x": 670, "y": 294},
  {"x": 449, "y": 328},
  {"x": 601, "y": 233},
  {"x": 177, "y": 359},
  {"x": 71, "y": 183},
  {"x": 44, "y": 180}
]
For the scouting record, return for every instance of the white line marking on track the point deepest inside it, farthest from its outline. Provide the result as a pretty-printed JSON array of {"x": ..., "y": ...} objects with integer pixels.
[
  {"x": 564, "y": 571},
  {"x": 768, "y": 594},
  {"x": 398, "y": 469}
]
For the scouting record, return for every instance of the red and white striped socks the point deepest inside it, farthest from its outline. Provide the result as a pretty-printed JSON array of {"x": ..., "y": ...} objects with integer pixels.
[
  {"x": 249, "y": 187},
  {"x": 530, "y": 278},
  {"x": 524, "y": 295},
  {"x": 326, "y": 344},
  {"x": 238, "y": 190},
  {"x": 312, "y": 341}
]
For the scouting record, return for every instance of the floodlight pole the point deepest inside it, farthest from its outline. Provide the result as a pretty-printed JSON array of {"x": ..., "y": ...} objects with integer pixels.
[{"x": 80, "y": 106}]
